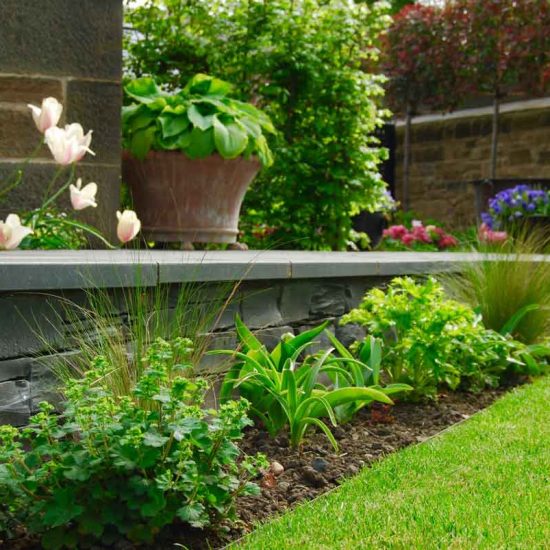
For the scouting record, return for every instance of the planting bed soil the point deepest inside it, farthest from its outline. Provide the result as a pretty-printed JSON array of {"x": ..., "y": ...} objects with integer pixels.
[{"x": 317, "y": 468}]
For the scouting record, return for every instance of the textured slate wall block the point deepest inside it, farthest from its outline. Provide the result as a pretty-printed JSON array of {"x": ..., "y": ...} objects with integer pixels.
[
  {"x": 29, "y": 89},
  {"x": 61, "y": 37},
  {"x": 96, "y": 105}
]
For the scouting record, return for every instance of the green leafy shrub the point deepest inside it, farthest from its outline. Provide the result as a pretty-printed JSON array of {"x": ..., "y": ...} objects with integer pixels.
[
  {"x": 305, "y": 63},
  {"x": 286, "y": 391},
  {"x": 199, "y": 120},
  {"x": 432, "y": 340},
  {"x": 125, "y": 466}
]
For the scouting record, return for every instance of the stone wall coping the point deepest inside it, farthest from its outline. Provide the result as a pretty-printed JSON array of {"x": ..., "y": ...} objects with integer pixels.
[
  {"x": 513, "y": 106},
  {"x": 60, "y": 270}
]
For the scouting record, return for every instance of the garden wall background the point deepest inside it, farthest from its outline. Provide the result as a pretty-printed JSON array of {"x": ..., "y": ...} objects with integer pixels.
[
  {"x": 448, "y": 150},
  {"x": 80, "y": 66}
]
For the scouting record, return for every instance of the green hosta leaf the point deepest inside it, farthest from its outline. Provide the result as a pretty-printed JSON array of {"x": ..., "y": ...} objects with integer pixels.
[
  {"x": 252, "y": 127},
  {"x": 143, "y": 118},
  {"x": 146, "y": 91},
  {"x": 194, "y": 514},
  {"x": 207, "y": 85},
  {"x": 180, "y": 142},
  {"x": 264, "y": 152},
  {"x": 202, "y": 143},
  {"x": 230, "y": 139},
  {"x": 141, "y": 142},
  {"x": 198, "y": 119},
  {"x": 173, "y": 125}
]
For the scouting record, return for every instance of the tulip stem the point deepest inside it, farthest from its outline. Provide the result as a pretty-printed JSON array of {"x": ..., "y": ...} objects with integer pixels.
[
  {"x": 58, "y": 172},
  {"x": 18, "y": 173},
  {"x": 62, "y": 189},
  {"x": 91, "y": 230}
]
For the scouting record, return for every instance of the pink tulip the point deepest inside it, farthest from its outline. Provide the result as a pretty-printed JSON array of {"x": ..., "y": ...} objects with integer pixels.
[
  {"x": 12, "y": 232},
  {"x": 68, "y": 145},
  {"x": 128, "y": 226},
  {"x": 82, "y": 197},
  {"x": 48, "y": 115}
]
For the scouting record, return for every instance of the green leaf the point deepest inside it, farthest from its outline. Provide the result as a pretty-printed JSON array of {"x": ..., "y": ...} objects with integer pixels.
[
  {"x": 152, "y": 439},
  {"x": 198, "y": 119},
  {"x": 516, "y": 318},
  {"x": 203, "y": 84},
  {"x": 194, "y": 514},
  {"x": 141, "y": 142},
  {"x": 155, "y": 503},
  {"x": 245, "y": 335},
  {"x": 202, "y": 143},
  {"x": 62, "y": 509},
  {"x": 144, "y": 90},
  {"x": 252, "y": 127},
  {"x": 173, "y": 125},
  {"x": 230, "y": 139}
]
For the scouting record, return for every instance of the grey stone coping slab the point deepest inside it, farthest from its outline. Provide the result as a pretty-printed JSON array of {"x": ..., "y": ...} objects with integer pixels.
[{"x": 49, "y": 270}]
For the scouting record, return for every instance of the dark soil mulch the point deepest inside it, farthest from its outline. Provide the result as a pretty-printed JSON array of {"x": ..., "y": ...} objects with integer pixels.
[{"x": 316, "y": 469}]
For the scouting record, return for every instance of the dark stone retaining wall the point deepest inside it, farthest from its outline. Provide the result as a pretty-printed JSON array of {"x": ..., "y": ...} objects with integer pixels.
[
  {"x": 71, "y": 50},
  {"x": 28, "y": 320},
  {"x": 278, "y": 292}
]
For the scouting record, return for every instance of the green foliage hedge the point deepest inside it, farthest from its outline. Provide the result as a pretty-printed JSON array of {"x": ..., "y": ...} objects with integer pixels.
[{"x": 303, "y": 62}]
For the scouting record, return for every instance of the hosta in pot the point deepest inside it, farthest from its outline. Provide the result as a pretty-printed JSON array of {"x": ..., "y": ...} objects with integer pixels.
[{"x": 190, "y": 157}]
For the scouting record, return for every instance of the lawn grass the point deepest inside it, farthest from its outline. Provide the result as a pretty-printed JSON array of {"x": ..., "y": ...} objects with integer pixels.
[{"x": 482, "y": 484}]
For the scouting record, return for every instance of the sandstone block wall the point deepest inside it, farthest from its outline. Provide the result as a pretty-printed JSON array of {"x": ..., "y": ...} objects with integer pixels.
[
  {"x": 448, "y": 152},
  {"x": 71, "y": 50}
]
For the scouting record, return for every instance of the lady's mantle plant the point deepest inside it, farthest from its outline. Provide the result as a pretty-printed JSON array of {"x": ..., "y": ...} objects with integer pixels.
[
  {"x": 199, "y": 120},
  {"x": 125, "y": 466},
  {"x": 46, "y": 226},
  {"x": 431, "y": 340},
  {"x": 515, "y": 204}
]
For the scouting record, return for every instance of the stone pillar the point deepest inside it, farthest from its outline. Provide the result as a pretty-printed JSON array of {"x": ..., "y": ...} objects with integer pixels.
[{"x": 71, "y": 50}]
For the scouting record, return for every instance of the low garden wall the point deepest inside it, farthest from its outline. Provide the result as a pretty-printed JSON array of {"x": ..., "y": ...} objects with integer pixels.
[
  {"x": 447, "y": 151},
  {"x": 278, "y": 292}
]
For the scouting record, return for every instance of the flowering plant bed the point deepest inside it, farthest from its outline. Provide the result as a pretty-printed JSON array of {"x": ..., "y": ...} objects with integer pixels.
[
  {"x": 417, "y": 237},
  {"x": 299, "y": 475},
  {"x": 515, "y": 205}
]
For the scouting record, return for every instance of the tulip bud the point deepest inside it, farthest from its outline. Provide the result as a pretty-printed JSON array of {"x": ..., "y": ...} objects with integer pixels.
[
  {"x": 128, "y": 226},
  {"x": 48, "y": 115},
  {"x": 82, "y": 197},
  {"x": 12, "y": 232}
]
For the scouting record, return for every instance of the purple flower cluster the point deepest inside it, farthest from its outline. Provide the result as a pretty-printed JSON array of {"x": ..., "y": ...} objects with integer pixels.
[{"x": 516, "y": 203}]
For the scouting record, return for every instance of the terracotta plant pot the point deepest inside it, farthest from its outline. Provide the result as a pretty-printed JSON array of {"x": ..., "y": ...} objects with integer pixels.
[{"x": 180, "y": 199}]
